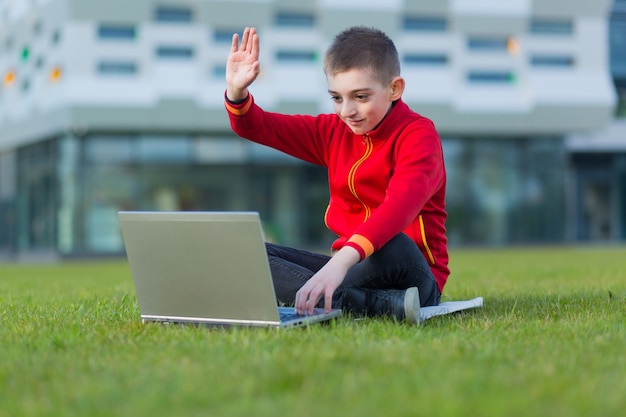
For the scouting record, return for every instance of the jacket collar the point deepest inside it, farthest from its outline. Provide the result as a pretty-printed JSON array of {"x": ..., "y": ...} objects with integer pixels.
[{"x": 395, "y": 118}]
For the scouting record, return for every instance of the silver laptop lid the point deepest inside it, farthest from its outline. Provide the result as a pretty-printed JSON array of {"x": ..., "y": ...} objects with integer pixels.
[{"x": 200, "y": 266}]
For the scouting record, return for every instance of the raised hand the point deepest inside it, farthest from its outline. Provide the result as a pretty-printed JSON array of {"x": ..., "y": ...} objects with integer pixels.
[{"x": 242, "y": 66}]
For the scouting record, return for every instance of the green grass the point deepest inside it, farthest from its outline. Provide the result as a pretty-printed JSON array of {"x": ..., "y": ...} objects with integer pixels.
[{"x": 550, "y": 341}]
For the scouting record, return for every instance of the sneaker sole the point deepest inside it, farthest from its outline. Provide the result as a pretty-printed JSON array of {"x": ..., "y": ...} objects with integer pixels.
[{"x": 412, "y": 305}]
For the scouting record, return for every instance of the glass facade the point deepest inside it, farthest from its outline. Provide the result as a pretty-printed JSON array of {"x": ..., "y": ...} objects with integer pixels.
[
  {"x": 8, "y": 191},
  {"x": 600, "y": 196},
  {"x": 100, "y": 174},
  {"x": 500, "y": 191},
  {"x": 505, "y": 191},
  {"x": 36, "y": 197}
]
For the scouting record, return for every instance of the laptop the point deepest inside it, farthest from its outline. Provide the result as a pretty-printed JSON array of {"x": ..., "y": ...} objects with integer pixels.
[{"x": 205, "y": 268}]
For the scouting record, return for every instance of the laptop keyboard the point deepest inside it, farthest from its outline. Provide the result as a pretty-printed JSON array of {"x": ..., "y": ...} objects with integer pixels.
[
  {"x": 286, "y": 316},
  {"x": 289, "y": 313}
]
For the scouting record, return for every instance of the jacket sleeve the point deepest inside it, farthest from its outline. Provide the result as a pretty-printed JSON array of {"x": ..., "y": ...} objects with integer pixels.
[{"x": 295, "y": 135}]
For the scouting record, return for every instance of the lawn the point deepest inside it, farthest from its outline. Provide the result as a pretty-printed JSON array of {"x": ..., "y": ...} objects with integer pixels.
[{"x": 549, "y": 341}]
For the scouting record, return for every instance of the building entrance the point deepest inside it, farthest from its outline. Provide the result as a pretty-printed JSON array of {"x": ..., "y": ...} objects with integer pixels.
[{"x": 600, "y": 207}]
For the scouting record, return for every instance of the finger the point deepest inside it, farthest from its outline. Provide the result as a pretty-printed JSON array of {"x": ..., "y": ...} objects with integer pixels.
[
  {"x": 300, "y": 303},
  {"x": 314, "y": 297},
  {"x": 235, "y": 44},
  {"x": 256, "y": 69},
  {"x": 328, "y": 301},
  {"x": 296, "y": 303},
  {"x": 255, "y": 47},
  {"x": 250, "y": 43},
  {"x": 244, "y": 38},
  {"x": 250, "y": 40}
]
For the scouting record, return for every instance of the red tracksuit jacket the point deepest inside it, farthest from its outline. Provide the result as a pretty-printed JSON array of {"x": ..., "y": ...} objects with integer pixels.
[{"x": 388, "y": 181}]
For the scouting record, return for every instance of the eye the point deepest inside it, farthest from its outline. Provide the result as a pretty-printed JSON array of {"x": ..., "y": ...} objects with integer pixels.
[
  {"x": 362, "y": 97},
  {"x": 336, "y": 99}
]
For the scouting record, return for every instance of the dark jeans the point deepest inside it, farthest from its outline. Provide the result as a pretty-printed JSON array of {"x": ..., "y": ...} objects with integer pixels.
[{"x": 397, "y": 265}]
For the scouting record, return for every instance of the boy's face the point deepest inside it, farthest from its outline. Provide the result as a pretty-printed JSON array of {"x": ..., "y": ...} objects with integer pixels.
[{"x": 360, "y": 100}]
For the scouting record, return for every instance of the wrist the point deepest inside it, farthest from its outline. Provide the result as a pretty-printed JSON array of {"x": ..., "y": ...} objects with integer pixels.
[
  {"x": 347, "y": 255},
  {"x": 236, "y": 96}
]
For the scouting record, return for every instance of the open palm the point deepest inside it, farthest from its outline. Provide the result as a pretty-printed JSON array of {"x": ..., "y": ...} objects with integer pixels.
[{"x": 242, "y": 66}]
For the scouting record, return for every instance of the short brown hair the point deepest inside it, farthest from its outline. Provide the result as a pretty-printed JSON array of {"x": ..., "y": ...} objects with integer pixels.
[{"x": 363, "y": 48}]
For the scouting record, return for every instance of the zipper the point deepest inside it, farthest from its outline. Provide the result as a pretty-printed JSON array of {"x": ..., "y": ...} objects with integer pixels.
[
  {"x": 326, "y": 215},
  {"x": 431, "y": 258},
  {"x": 367, "y": 141}
]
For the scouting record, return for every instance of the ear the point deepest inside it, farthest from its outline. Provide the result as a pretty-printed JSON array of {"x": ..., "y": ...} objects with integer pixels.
[{"x": 396, "y": 88}]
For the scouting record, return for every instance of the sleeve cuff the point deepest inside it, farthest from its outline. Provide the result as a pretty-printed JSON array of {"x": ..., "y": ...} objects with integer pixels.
[
  {"x": 239, "y": 107},
  {"x": 361, "y": 244}
]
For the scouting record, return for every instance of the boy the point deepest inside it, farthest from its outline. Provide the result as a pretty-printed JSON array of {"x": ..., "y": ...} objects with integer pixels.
[{"x": 386, "y": 178}]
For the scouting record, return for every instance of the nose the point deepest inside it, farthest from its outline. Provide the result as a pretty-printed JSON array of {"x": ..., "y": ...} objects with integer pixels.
[{"x": 347, "y": 109}]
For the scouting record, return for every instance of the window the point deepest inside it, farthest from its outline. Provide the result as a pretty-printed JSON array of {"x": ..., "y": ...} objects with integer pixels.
[
  {"x": 551, "y": 27},
  {"x": 56, "y": 37},
  {"x": 116, "y": 32},
  {"x": 617, "y": 46},
  {"x": 296, "y": 56},
  {"x": 173, "y": 14},
  {"x": 164, "y": 149},
  {"x": 37, "y": 28},
  {"x": 225, "y": 35},
  {"x": 175, "y": 52},
  {"x": 117, "y": 67},
  {"x": 294, "y": 19},
  {"x": 488, "y": 44},
  {"x": 103, "y": 149},
  {"x": 425, "y": 24},
  {"x": 551, "y": 61},
  {"x": 425, "y": 59},
  {"x": 490, "y": 77}
]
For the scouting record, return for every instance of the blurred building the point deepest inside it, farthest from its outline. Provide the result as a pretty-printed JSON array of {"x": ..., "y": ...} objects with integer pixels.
[
  {"x": 598, "y": 158},
  {"x": 110, "y": 104}
]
